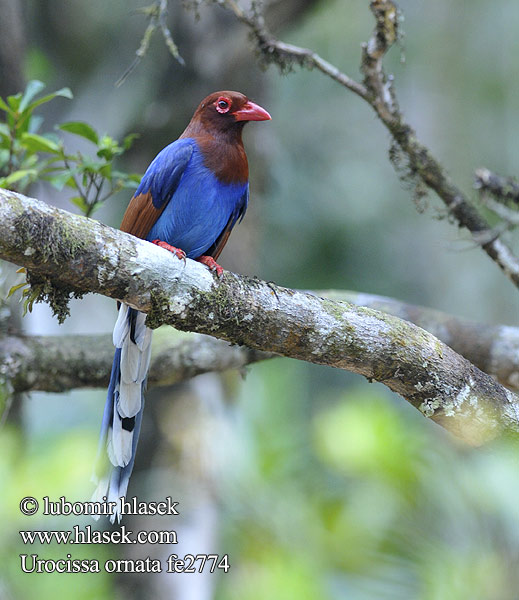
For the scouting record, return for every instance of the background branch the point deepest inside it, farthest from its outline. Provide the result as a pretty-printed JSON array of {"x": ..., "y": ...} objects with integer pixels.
[
  {"x": 72, "y": 253},
  {"x": 492, "y": 348},
  {"x": 378, "y": 91},
  {"x": 503, "y": 188},
  {"x": 60, "y": 363}
]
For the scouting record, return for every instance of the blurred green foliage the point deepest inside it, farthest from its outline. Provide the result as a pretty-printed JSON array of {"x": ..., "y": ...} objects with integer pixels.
[
  {"x": 27, "y": 156},
  {"x": 363, "y": 499},
  {"x": 333, "y": 496},
  {"x": 46, "y": 465}
]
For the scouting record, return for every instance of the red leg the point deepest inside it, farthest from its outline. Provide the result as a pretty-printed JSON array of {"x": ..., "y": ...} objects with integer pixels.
[
  {"x": 210, "y": 262},
  {"x": 176, "y": 251}
]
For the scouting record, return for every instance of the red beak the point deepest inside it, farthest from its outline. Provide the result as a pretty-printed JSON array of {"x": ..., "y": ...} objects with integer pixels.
[{"x": 252, "y": 112}]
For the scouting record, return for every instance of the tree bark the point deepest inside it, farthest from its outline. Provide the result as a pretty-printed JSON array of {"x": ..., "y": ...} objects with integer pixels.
[
  {"x": 67, "y": 253},
  {"x": 60, "y": 363}
]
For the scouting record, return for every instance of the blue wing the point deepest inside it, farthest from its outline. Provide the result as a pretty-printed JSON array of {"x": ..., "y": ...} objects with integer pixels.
[
  {"x": 157, "y": 187},
  {"x": 165, "y": 171}
]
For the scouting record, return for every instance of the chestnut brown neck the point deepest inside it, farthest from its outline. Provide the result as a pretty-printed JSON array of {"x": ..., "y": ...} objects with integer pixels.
[{"x": 222, "y": 149}]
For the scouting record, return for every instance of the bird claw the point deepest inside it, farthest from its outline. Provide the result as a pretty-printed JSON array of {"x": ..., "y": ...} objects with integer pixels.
[
  {"x": 211, "y": 264},
  {"x": 178, "y": 252}
]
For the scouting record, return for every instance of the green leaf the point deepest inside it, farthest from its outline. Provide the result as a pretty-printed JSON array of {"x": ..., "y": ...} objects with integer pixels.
[
  {"x": 63, "y": 92},
  {"x": 127, "y": 180},
  {"x": 86, "y": 164},
  {"x": 108, "y": 148},
  {"x": 25, "y": 116},
  {"x": 14, "y": 102},
  {"x": 4, "y": 106},
  {"x": 61, "y": 180},
  {"x": 37, "y": 143},
  {"x": 4, "y": 157},
  {"x": 35, "y": 122},
  {"x": 17, "y": 175},
  {"x": 33, "y": 88},
  {"x": 14, "y": 288},
  {"x": 129, "y": 139},
  {"x": 82, "y": 129},
  {"x": 106, "y": 171},
  {"x": 29, "y": 161},
  {"x": 31, "y": 295},
  {"x": 106, "y": 153},
  {"x": 80, "y": 203}
]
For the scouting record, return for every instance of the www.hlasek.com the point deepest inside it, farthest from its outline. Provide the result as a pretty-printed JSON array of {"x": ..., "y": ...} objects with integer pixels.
[{"x": 31, "y": 563}]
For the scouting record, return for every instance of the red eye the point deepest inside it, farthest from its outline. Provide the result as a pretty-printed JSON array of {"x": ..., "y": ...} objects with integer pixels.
[{"x": 223, "y": 105}]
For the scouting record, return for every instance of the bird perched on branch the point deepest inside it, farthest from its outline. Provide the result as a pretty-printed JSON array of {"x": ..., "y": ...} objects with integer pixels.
[{"x": 191, "y": 196}]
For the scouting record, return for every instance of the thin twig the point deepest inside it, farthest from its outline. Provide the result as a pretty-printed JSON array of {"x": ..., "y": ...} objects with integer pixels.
[
  {"x": 156, "y": 13},
  {"x": 285, "y": 55},
  {"x": 502, "y": 188},
  {"x": 378, "y": 90},
  {"x": 166, "y": 33},
  {"x": 509, "y": 215}
]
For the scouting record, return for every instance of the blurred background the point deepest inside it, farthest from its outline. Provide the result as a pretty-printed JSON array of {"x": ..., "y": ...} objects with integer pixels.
[{"x": 316, "y": 484}]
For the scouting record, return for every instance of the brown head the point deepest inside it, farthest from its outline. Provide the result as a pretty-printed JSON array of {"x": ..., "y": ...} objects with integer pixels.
[{"x": 224, "y": 113}]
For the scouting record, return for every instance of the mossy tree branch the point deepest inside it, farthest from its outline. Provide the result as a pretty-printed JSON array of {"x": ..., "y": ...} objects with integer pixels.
[
  {"x": 75, "y": 254},
  {"x": 62, "y": 363}
]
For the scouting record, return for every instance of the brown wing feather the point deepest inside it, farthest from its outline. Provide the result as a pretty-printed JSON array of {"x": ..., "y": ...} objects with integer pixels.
[
  {"x": 216, "y": 249},
  {"x": 220, "y": 243},
  {"x": 140, "y": 216}
]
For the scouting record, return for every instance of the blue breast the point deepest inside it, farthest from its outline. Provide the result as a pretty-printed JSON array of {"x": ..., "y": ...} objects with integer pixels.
[{"x": 200, "y": 207}]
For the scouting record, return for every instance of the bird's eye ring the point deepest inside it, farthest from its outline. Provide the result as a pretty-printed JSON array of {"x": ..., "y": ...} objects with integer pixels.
[{"x": 223, "y": 105}]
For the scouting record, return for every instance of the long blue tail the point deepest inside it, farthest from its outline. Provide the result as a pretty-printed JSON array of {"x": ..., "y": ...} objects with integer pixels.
[{"x": 123, "y": 409}]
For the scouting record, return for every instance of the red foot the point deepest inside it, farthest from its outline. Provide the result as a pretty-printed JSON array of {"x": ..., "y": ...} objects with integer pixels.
[
  {"x": 176, "y": 251},
  {"x": 210, "y": 262}
]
